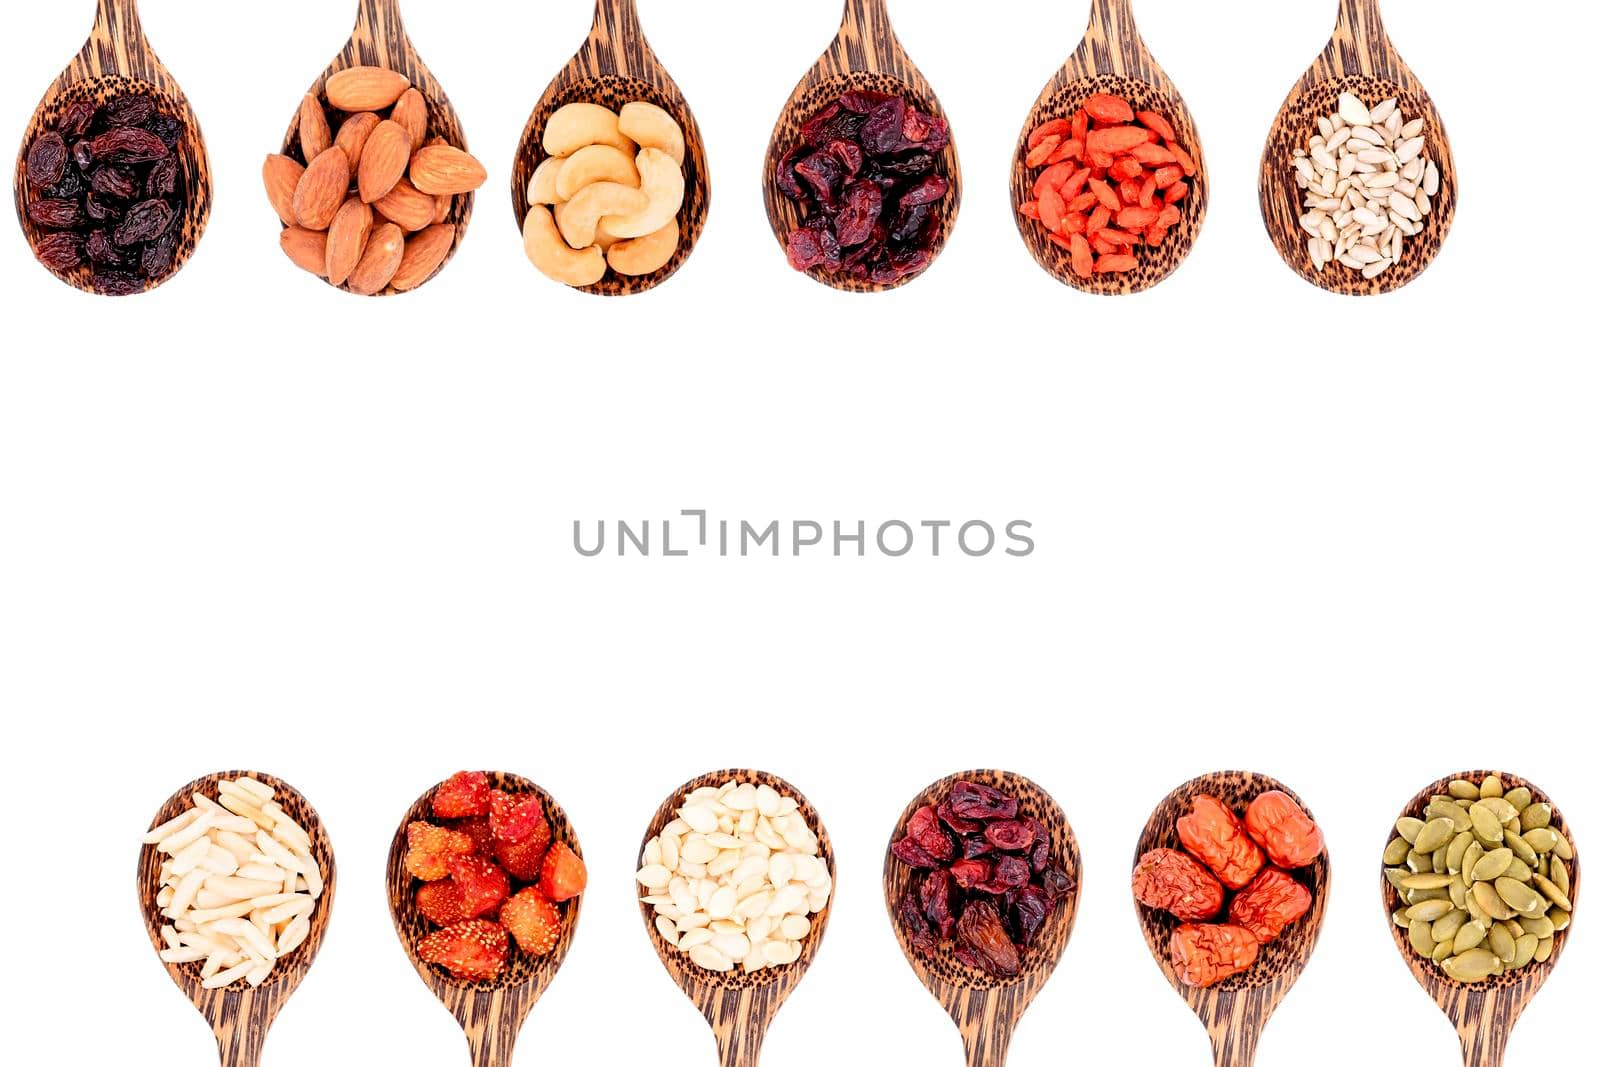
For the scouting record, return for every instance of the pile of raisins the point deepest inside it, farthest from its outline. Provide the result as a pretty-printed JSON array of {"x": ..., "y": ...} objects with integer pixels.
[
  {"x": 867, "y": 173},
  {"x": 107, "y": 185},
  {"x": 988, "y": 881}
]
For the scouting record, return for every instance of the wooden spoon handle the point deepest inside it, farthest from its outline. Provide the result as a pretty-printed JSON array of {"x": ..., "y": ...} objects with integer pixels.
[
  {"x": 1112, "y": 44},
  {"x": 1235, "y": 1022},
  {"x": 240, "y": 1020},
  {"x": 379, "y": 22},
  {"x": 1484, "y": 1020},
  {"x": 987, "y": 1046},
  {"x": 616, "y": 44},
  {"x": 866, "y": 30},
  {"x": 1360, "y": 34},
  {"x": 491, "y": 1023},
  {"x": 740, "y": 1025},
  {"x": 116, "y": 44}
]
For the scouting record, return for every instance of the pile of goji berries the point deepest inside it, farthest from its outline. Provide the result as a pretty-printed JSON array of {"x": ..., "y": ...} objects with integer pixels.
[
  {"x": 1112, "y": 182},
  {"x": 1222, "y": 855}
]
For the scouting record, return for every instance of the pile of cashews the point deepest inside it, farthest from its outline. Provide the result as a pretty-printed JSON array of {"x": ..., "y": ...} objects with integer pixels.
[{"x": 608, "y": 195}]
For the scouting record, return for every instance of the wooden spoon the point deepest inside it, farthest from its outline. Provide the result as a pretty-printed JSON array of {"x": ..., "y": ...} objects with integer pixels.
[
  {"x": 117, "y": 61},
  {"x": 740, "y": 1007},
  {"x": 1236, "y": 1010},
  {"x": 492, "y": 1013},
  {"x": 1484, "y": 1013},
  {"x": 1360, "y": 59},
  {"x": 239, "y": 1015},
  {"x": 616, "y": 67},
  {"x": 1112, "y": 59},
  {"x": 380, "y": 40},
  {"x": 866, "y": 54},
  {"x": 985, "y": 1008}
]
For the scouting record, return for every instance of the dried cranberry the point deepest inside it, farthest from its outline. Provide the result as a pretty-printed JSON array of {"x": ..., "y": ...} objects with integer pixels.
[
  {"x": 47, "y": 159},
  {"x": 849, "y": 155},
  {"x": 863, "y": 203},
  {"x": 924, "y": 829},
  {"x": 881, "y": 134},
  {"x": 973, "y": 801},
  {"x": 969, "y": 873},
  {"x": 923, "y": 130},
  {"x": 61, "y": 251},
  {"x": 909, "y": 222},
  {"x": 948, "y": 816},
  {"x": 788, "y": 180},
  {"x": 1029, "y": 912},
  {"x": 1057, "y": 883},
  {"x": 1010, "y": 835},
  {"x": 939, "y": 902},
  {"x": 974, "y": 848},
  {"x": 910, "y": 165},
  {"x": 913, "y": 855},
  {"x": 929, "y": 190},
  {"x": 831, "y": 123},
  {"x": 824, "y": 174},
  {"x": 915, "y": 923},
  {"x": 1040, "y": 856},
  {"x": 75, "y": 119},
  {"x": 55, "y": 214},
  {"x": 862, "y": 101},
  {"x": 1013, "y": 872}
]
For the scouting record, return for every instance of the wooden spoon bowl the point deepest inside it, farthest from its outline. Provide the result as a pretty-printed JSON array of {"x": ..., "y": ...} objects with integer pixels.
[
  {"x": 986, "y": 1008},
  {"x": 1484, "y": 1013},
  {"x": 616, "y": 67},
  {"x": 1360, "y": 59},
  {"x": 239, "y": 1015},
  {"x": 1112, "y": 59},
  {"x": 117, "y": 61},
  {"x": 865, "y": 55},
  {"x": 740, "y": 1007},
  {"x": 380, "y": 40},
  {"x": 491, "y": 1012},
  {"x": 1236, "y": 1010}
]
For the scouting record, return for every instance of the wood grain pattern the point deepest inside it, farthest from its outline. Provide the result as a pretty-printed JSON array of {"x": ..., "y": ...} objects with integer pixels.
[
  {"x": 615, "y": 67},
  {"x": 867, "y": 55},
  {"x": 380, "y": 40},
  {"x": 986, "y": 1009},
  {"x": 1236, "y": 1010},
  {"x": 1484, "y": 1014},
  {"x": 1112, "y": 59},
  {"x": 240, "y": 1016},
  {"x": 1360, "y": 59},
  {"x": 491, "y": 1013},
  {"x": 117, "y": 60},
  {"x": 740, "y": 1007}
]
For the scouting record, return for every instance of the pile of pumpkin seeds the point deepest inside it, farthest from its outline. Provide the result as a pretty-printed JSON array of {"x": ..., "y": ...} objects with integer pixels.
[{"x": 1482, "y": 879}]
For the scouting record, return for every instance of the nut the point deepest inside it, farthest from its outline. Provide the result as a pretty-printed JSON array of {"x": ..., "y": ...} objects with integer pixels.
[
  {"x": 384, "y": 160},
  {"x": 315, "y": 137},
  {"x": 661, "y": 180},
  {"x": 579, "y": 125},
  {"x": 444, "y": 170},
  {"x": 551, "y": 254},
  {"x": 596, "y": 163},
  {"x": 411, "y": 111},
  {"x": 407, "y": 207},
  {"x": 281, "y": 175},
  {"x": 544, "y": 187},
  {"x": 652, "y": 127},
  {"x": 353, "y": 136},
  {"x": 347, "y": 239},
  {"x": 380, "y": 262},
  {"x": 645, "y": 255},
  {"x": 424, "y": 254},
  {"x": 307, "y": 248},
  {"x": 580, "y": 217},
  {"x": 365, "y": 88},
  {"x": 321, "y": 189}
]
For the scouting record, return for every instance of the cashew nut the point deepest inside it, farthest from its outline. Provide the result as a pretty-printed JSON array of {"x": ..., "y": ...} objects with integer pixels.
[
  {"x": 579, "y": 217},
  {"x": 661, "y": 180},
  {"x": 596, "y": 163},
  {"x": 645, "y": 255},
  {"x": 652, "y": 127},
  {"x": 542, "y": 189},
  {"x": 580, "y": 125},
  {"x": 543, "y": 243}
]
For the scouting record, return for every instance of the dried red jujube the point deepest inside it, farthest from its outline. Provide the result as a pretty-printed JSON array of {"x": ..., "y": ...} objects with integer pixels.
[
  {"x": 1178, "y": 883},
  {"x": 1269, "y": 904},
  {"x": 1279, "y": 825},
  {"x": 1213, "y": 834}
]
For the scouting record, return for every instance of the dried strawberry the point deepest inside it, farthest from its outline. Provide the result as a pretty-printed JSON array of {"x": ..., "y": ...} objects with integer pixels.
[
  {"x": 533, "y": 921},
  {"x": 441, "y": 903},
  {"x": 515, "y": 816},
  {"x": 483, "y": 842},
  {"x": 464, "y": 796},
  {"x": 431, "y": 849},
  {"x": 484, "y": 886},
  {"x": 523, "y": 859},
  {"x": 563, "y": 875},
  {"x": 473, "y": 950}
]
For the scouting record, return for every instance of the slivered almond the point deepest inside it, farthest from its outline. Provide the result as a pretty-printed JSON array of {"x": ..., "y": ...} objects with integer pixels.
[
  {"x": 366, "y": 88},
  {"x": 384, "y": 160},
  {"x": 347, "y": 239},
  {"x": 411, "y": 111},
  {"x": 321, "y": 189},
  {"x": 353, "y": 136},
  {"x": 407, "y": 207},
  {"x": 315, "y": 137},
  {"x": 385, "y": 249},
  {"x": 446, "y": 171},
  {"x": 424, "y": 254},
  {"x": 281, "y": 175}
]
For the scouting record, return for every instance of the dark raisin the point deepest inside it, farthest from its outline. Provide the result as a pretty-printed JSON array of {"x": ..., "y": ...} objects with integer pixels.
[
  {"x": 61, "y": 251},
  {"x": 159, "y": 256},
  {"x": 163, "y": 178},
  {"x": 83, "y": 155},
  {"x": 99, "y": 209},
  {"x": 102, "y": 251},
  {"x": 169, "y": 129},
  {"x": 915, "y": 923},
  {"x": 982, "y": 934},
  {"x": 123, "y": 144},
  {"x": 70, "y": 187},
  {"x": 117, "y": 282},
  {"x": 75, "y": 119},
  {"x": 56, "y": 214},
  {"x": 47, "y": 159},
  {"x": 118, "y": 183},
  {"x": 135, "y": 109},
  {"x": 145, "y": 221}
]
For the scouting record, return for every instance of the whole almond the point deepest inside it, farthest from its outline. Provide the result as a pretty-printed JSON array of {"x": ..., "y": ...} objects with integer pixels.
[
  {"x": 411, "y": 111},
  {"x": 424, "y": 253},
  {"x": 446, "y": 171},
  {"x": 307, "y": 248},
  {"x": 353, "y": 136},
  {"x": 442, "y": 207},
  {"x": 385, "y": 249},
  {"x": 281, "y": 175},
  {"x": 406, "y": 207},
  {"x": 321, "y": 189},
  {"x": 384, "y": 160},
  {"x": 347, "y": 239},
  {"x": 366, "y": 88},
  {"x": 315, "y": 137}
]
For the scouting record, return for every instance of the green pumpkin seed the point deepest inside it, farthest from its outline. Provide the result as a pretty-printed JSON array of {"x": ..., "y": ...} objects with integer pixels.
[
  {"x": 1501, "y": 808},
  {"x": 1520, "y": 871},
  {"x": 1436, "y": 834},
  {"x": 1553, "y": 893},
  {"x": 1515, "y": 826},
  {"x": 1396, "y": 875},
  {"x": 1543, "y": 952},
  {"x": 1430, "y": 910},
  {"x": 1535, "y": 817},
  {"x": 1558, "y": 875},
  {"x": 1421, "y": 937},
  {"x": 1563, "y": 846},
  {"x": 1462, "y": 789},
  {"x": 1448, "y": 926},
  {"x": 1401, "y": 920},
  {"x": 1501, "y": 943},
  {"x": 1458, "y": 893},
  {"x": 1442, "y": 951},
  {"x": 1538, "y": 925},
  {"x": 1419, "y": 862},
  {"x": 1520, "y": 797},
  {"x": 1493, "y": 865},
  {"x": 1474, "y": 965},
  {"x": 1542, "y": 839},
  {"x": 1470, "y": 936},
  {"x": 1409, "y": 828},
  {"x": 1397, "y": 851},
  {"x": 1519, "y": 897},
  {"x": 1475, "y": 910},
  {"x": 1470, "y": 860},
  {"x": 1491, "y": 786},
  {"x": 1457, "y": 850},
  {"x": 1562, "y": 917},
  {"x": 1515, "y": 926},
  {"x": 1490, "y": 902},
  {"x": 1428, "y": 881},
  {"x": 1448, "y": 809},
  {"x": 1486, "y": 825},
  {"x": 1527, "y": 945}
]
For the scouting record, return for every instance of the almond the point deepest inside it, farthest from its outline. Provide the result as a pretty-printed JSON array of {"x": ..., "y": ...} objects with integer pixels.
[
  {"x": 315, "y": 137},
  {"x": 385, "y": 250},
  {"x": 307, "y": 248},
  {"x": 384, "y": 160},
  {"x": 412, "y": 112},
  {"x": 321, "y": 189},
  {"x": 446, "y": 171},
  {"x": 353, "y": 136},
  {"x": 365, "y": 88},
  {"x": 442, "y": 208},
  {"x": 406, "y": 207},
  {"x": 424, "y": 254},
  {"x": 347, "y": 239},
  {"x": 281, "y": 174}
]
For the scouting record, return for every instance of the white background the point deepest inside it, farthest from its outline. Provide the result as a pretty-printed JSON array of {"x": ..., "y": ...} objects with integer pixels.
[{"x": 1351, "y": 544}]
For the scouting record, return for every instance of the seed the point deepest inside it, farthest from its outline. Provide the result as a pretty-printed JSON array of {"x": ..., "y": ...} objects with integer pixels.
[
  {"x": 1491, "y": 786},
  {"x": 1526, "y": 946},
  {"x": 1518, "y": 896},
  {"x": 1462, "y": 789},
  {"x": 1540, "y": 925},
  {"x": 1535, "y": 817},
  {"x": 1470, "y": 936},
  {"x": 1490, "y": 902},
  {"x": 1543, "y": 952},
  {"x": 1470, "y": 860},
  {"x": 1561, "y": 917},
  {"x": 1539, "y": 839},
  {"x": 1396, "y": 852},
  {"x": 1353, "y": 111},
  {"x": 1519, "y": 871},
  {"x": 1520, "y": 797},
  {"x": 1421, "y": 937},
  {"x": 1559, "y": 876},
  {"x": 1430, "y": 910},
  {"x": 1457, "y": 851},
  {"x": 1437, "y": 833},
  {"x": 1447, "y": 926},
  {"x": 1493, "y": 865},
  {"x": 1486, "y": 825},
  {"x": 1553, "y": 892},
  {"x": 1474, "y": 965},
  {"x": 1563, "y": 846},
  {"x": 1502, "y": 943}
]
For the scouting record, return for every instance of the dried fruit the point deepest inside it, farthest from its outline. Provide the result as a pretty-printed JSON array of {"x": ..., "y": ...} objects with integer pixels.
[
  {"x": 118, "y": 183},
  {"x": 47, "y": 159},
  {"x": 1174, "y": 882},
  {"x": 1213, "y": 833},
  {"x": 441, "y": 903},
  {"x": 431, "y": 848},
  {"x": 463, "y": 796},
  {"x": 473, "y": 951},
  {"x": 127, "y": 145},
  {"x": 56, "y": 214},
  {"x": 534, "y": 921},
  {"x": 136, "y": 109},
  {"x": 563, "y": 874},
  {"x": 1205, "y": 955},
  {"x": 981, "y": 933},
  {"x": 61, "y": 251},
  {"x": 515, "y": 818},
  {"x": 1269, "y": 904},
  {"x": 75, "y": 119},
  {"x": 523, "y": 860},
  {"x": 483, "y": 885},
  {"x": 145, "y": 221},
  {"x": 1279, "y": 825}
]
